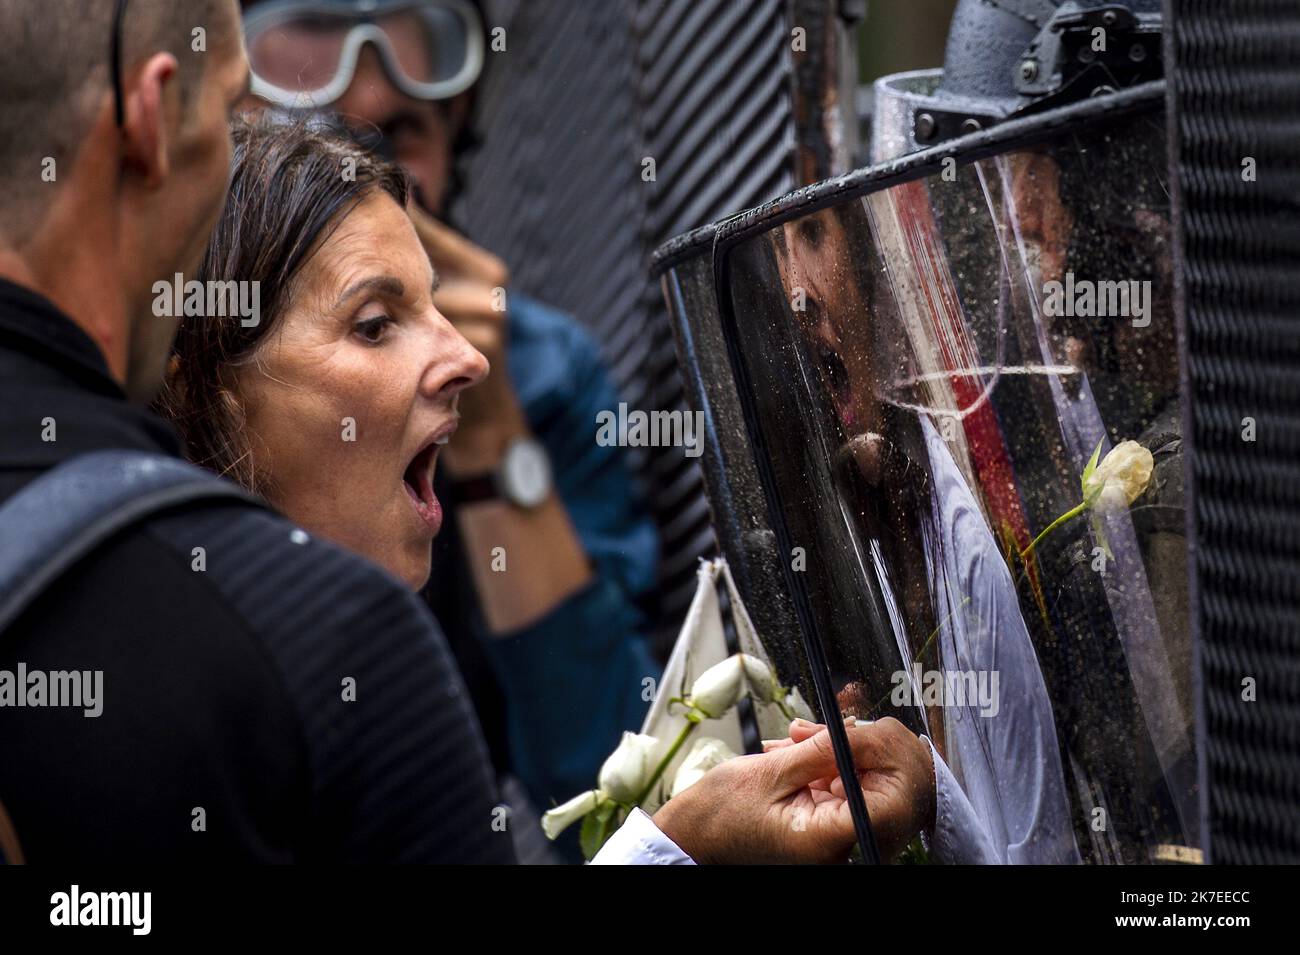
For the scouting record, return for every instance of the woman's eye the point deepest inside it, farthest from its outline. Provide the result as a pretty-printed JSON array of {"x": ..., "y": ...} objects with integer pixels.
[{"x": 373, "y": 330}]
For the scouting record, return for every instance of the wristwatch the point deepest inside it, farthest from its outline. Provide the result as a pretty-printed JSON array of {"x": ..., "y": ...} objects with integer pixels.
[{"x": 523, "y": 478}]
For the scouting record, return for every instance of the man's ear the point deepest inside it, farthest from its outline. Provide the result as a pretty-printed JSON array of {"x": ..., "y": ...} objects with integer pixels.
[{"x": 145, "y": 117}]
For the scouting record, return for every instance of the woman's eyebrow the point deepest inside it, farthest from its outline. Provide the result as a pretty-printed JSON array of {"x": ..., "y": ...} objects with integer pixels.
[{"x": 385, "y": 284}]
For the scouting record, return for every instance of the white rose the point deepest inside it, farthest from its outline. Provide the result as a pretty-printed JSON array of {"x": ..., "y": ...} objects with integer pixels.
[
  {"x": 627, "y": 770},
  {"x": 798, "y": 706},
  {"x": 719, "y": 687},
  {"x": 762, "y": 684},
  {"x": 562, "y": 817},
  {"x": 1120, "y": 478},
  {"x": 704, "y": 755}
]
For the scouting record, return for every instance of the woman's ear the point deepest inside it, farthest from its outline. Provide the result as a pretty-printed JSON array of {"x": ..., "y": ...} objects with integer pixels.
[
  {"x": 145, "y": 132},
  {"x": 234, "y": 455},
  {"x": 170, "y": 400}
]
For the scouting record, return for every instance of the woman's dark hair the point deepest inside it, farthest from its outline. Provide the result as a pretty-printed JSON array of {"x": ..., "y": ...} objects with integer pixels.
[{"x": 291, "y": 186}]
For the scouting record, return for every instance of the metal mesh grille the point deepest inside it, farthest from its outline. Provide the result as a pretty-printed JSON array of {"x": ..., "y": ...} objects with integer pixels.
[
  {"x": 714, "y": 89},
  {"x": 1237, "y": 100},
  {"x": 582, "y": 95},
  {"x": 714, "y": 115},
  {"x": 556, "y": 190}
]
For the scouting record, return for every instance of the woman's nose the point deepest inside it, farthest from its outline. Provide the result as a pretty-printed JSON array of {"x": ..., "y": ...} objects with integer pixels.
[{"x": 462, "y": 365}]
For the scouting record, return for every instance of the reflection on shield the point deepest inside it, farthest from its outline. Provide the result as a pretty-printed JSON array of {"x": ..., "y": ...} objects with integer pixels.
[
  {"x": 739, "y": 514},
  {"x": 924, "y": 358}
]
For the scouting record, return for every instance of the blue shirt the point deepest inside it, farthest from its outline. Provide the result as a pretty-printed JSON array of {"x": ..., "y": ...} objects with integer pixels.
[{"x": 575, "y": 680}]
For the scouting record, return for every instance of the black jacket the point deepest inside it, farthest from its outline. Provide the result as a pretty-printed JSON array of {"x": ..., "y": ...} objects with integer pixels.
[{"x": 222, "y": 688}]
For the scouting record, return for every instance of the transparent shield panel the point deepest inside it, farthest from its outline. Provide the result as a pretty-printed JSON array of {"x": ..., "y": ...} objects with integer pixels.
[
  {"x": 735, "y": 493},
  {"x": 967, "y": 390}
]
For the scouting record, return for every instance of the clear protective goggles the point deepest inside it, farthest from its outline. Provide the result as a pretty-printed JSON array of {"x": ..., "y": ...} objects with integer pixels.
[{"x": 303, "y": 55}]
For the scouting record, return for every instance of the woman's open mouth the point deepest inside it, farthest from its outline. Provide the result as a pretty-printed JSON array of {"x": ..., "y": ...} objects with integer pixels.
[
  {"x": 418, "y": 479},
  {"x": 836, "y": 376}
]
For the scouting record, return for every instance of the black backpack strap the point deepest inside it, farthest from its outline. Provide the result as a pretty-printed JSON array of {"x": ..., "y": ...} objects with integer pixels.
[{"x": 70, "y": 510}]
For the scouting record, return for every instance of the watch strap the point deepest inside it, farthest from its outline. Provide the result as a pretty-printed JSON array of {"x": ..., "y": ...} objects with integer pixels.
[{"x": 471, "y": 490}]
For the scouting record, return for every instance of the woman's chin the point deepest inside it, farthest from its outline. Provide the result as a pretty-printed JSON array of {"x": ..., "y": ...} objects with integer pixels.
[
  {"x": 404, "y": 553},
  {"x": 415, "y": 574},
  {"x": 417, "y": 583},
  {"x": 407, "y": 561}
]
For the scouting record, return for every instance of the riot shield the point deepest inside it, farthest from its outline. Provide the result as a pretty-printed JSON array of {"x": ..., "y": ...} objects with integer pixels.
[{"x": 958, "y": 377}]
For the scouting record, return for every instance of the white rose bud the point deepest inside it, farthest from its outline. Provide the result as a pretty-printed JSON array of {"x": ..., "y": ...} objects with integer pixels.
[
  {"x": 628, "y": 768},
  {"x": 562, "y": 817},
  {"x": 798, "y": 706},
  {"x": 704, "y": 755},
  {"x": 762, "y": 684},
  {"x": 1120, "y": 478},
  {"x": 719, "y": 687}
]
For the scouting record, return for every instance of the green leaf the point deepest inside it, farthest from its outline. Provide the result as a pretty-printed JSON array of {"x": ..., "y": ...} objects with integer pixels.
[
  {"x": 1092, "y": 466},
  {"x": 589, "y": 837},
  {"x": 915, "y": 854},
  {"x": 596, "y": 829}
]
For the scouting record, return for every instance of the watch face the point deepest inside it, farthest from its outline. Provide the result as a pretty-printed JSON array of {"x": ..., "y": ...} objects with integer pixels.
[{"x": 526, "y": 473}]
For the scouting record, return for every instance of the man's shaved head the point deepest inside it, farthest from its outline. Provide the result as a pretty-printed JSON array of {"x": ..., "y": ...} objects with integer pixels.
[{"x": 55, "y": 70}]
